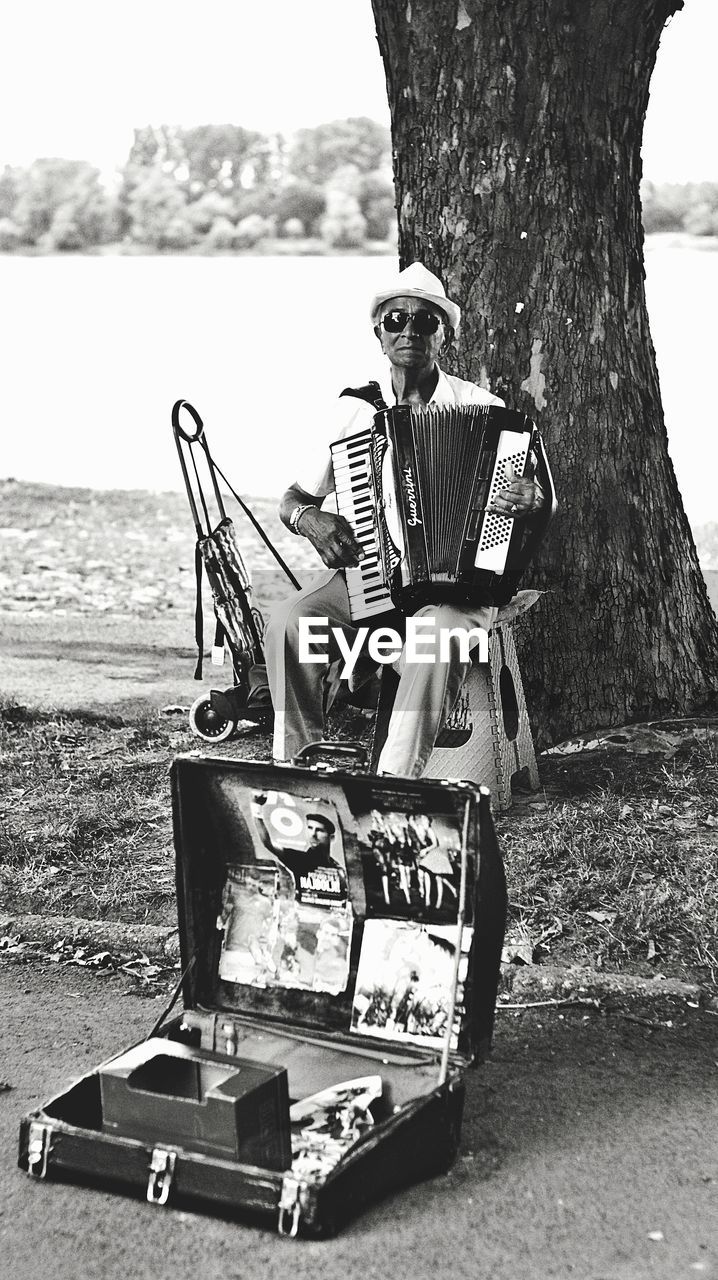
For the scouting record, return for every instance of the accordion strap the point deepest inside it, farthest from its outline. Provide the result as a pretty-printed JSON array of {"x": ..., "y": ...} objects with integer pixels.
[{"x": 370, "y": 392}]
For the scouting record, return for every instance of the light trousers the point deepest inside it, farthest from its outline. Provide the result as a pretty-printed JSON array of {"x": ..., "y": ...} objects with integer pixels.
[{"x": 302, "y": 692}]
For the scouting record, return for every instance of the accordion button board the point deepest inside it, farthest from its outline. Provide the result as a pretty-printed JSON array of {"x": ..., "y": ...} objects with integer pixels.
[{"x": 512, "y": 451}]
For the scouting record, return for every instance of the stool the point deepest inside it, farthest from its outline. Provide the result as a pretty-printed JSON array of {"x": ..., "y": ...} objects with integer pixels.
[{"x": 488, "y": 737}]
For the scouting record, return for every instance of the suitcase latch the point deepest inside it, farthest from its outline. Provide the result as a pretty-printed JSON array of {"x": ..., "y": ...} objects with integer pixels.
[
  {"x": 289, "y": 1205},
  {"x": 38, "y": 1148},
  {"x": 162, "y": 1168}
]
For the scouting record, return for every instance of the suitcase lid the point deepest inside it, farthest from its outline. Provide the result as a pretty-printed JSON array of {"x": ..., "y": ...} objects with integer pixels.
[{"x": 330, "y": 899}]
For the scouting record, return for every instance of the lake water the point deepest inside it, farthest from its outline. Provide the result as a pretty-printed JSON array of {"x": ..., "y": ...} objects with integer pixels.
[{"x": 96, "y": 351}]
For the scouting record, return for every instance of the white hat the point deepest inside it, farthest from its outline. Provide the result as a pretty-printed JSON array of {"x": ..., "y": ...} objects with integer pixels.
[{"x": 416, "y": 282}]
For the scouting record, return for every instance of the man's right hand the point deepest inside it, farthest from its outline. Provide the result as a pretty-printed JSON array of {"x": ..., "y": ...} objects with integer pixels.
[{"x": 332, "y": 536}]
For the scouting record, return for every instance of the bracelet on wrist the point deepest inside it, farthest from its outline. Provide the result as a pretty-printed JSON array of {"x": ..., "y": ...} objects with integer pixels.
[{"x": 296, "y": 515}]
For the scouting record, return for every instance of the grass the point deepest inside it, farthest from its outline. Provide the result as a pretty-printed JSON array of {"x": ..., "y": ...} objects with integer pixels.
[
  {"x": 84, "y": 823},
  {"x": 613, "y": 864},
  {"x": 616, "y": 867}
]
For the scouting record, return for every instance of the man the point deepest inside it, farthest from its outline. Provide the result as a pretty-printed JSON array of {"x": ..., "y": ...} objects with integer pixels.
[
  {"x": 319, "y": 878},
  {"x": 414, "y": 321}
]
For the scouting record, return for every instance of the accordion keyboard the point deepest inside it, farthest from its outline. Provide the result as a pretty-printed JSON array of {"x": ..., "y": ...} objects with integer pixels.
[{"x": 351, "y": 457}]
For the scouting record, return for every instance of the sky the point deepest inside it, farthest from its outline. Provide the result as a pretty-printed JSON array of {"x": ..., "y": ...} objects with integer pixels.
[{"x": 76, "y": 78}]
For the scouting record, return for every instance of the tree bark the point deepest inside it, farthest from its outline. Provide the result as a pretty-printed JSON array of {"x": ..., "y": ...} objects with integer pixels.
[{"x": 517, "y": 128}]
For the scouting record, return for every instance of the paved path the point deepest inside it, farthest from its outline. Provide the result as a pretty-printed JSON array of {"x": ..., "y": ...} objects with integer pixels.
[
  {"x": 128, "y": 665},
  {"x": 100, "y": 662},
  {"x": 585, "y": 1134}
]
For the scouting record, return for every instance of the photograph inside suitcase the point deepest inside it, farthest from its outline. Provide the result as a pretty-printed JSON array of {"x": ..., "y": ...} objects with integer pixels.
[{"x": 340, "y": 955}]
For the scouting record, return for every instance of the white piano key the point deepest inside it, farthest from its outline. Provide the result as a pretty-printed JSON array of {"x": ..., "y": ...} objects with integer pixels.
[{"x": 351, "y": 461}]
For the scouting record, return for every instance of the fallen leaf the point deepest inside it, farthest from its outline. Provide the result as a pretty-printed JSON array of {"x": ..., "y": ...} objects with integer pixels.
[
  {"x": 602, "y": 917},
  {"x": 518, "y": 952},
  {"x": 101, "y": 958},
  {"x": 642, "y": 740},
  {"x": 554, "y": 930}
]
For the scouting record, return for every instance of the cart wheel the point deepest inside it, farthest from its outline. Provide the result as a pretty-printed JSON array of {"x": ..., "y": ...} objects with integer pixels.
[{"x": 207, "y": 723}]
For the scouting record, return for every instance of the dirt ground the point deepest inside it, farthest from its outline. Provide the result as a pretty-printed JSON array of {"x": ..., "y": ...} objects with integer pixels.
[
  {"x": 588, "y": 1145},
  {"x": 98, "y": 595},
  {"x": 126, "y": 665},
  {"x": 96, "y": 661},
  {"x": 588, "y": 1150}
]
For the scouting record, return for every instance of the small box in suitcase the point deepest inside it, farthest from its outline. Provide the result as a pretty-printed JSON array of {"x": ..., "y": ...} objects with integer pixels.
[
  {"x": 168, "y": 1092},
  {"x": 341, "y": 939}
]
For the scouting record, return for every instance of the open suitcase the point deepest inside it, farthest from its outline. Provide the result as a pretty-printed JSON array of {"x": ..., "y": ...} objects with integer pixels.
[{"x": 341, "y": 938}]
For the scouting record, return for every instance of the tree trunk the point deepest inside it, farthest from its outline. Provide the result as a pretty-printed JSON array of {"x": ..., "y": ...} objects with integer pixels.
[{"x": 517, "y": 127}]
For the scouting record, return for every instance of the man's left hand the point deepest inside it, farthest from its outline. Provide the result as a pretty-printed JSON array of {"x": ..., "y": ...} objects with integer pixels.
[{"x": 519, "y": 499}]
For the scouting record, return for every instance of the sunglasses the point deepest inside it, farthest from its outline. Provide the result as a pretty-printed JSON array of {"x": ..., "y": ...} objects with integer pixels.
[{"x": 422, "y": 322}]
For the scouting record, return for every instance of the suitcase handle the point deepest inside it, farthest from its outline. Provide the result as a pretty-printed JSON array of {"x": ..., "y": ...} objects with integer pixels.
[{"x": 339, "y": 750}]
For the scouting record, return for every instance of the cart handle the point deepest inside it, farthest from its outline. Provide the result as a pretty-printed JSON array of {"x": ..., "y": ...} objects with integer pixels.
[
  {"x": 341, "y": 750},
  {"x": 190, "y": 437},
  {"x": 214, "y": 470}
]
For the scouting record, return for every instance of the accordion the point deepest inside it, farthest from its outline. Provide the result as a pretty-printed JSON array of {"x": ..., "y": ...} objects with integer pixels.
[{"x": 416, "y": 488}]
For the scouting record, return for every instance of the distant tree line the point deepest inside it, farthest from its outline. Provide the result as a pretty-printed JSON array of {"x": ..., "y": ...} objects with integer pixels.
[
  {"x": 220, "y": 187},
  {"x": 689, "y": 206},
  {"x": 223, "y": 187}
]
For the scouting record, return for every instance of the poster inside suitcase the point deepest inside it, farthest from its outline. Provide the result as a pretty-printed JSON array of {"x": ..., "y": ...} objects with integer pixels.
[{"x": 341, "y": 937}]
